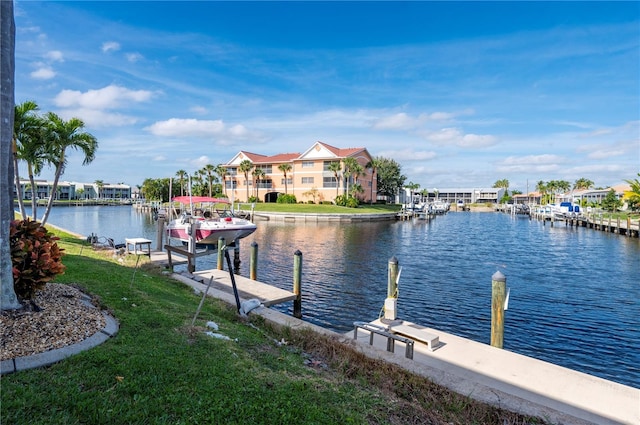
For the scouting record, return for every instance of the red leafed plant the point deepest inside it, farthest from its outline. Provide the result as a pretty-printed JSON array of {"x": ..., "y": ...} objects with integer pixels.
[{"x": 35, "y": 255}]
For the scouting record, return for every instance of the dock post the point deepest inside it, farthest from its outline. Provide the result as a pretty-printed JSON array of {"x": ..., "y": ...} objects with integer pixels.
[
  {"x": 222, "y": 246},
  {"x": 629, "y": 226},
  {"x": 253, "y": 261},
  {"x": 498, "y": 296},
  {"x": 236, "y": 257},
  {"x": 297, "y": 278},
  {"x": 391, "y": 303},
  {"x": 159, "y": 233}
]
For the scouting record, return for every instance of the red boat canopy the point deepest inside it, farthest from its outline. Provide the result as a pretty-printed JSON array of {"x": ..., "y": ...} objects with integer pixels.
[{"x": 200, "y": 199}]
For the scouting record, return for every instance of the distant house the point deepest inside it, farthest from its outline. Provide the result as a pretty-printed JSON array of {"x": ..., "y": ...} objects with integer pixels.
[
  {"x": 74, "y": 190},
  {"x": 309, "y": 179}
]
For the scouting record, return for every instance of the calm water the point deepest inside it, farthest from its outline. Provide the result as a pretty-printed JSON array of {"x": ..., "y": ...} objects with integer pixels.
[{"x": 575, "y": 292}]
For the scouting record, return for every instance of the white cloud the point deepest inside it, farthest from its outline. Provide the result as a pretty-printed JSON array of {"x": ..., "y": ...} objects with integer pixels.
[
  {"x": 134, "y": 57},
  {"x": 400, "y": 121},
  {"x": 200, "y": 110},
  {"x": 110, "y": 46},
  {"x": 54, "y": 56},
  {"x": 104, "y": 98},
  {"x": 455, "y": 137},
  {"x": 408, "y": 155},
  {"x": 43, "y": 73},
  {"x": 531, "y": 164},
  {"x": 201, "y": 161},
  {"x": 191, "y": 127},
  {"x": 97, "y": 118}
]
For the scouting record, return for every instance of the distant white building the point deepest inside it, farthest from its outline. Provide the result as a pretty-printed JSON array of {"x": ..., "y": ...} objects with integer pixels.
[
  {"x": 457, "y": 195},
  {"x": 74, "y": 190}
]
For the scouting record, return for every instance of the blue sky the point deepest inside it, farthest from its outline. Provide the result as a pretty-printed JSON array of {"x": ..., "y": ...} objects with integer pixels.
[{"x": 461, "y": 94}]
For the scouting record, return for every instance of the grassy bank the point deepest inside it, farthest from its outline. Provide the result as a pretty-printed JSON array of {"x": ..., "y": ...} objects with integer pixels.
[{"x": 159, "y": 369}]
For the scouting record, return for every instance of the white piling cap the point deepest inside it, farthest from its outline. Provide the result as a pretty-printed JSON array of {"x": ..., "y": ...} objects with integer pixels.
[{"x": 498, "y": 277}]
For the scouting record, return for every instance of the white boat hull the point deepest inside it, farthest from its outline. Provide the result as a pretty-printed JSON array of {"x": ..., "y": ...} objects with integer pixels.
[{"x": 208, "y": 232}]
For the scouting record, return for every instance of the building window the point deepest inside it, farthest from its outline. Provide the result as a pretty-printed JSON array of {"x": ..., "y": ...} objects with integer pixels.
[
  {"x": 327, "y": 164},
  {"x": 232, "y": 171},
  {"x": 307, "y": 164},
  {"x": 329, "y": 182},
  {"x": 265, "y": 184},
  {"x": 267, "y": 168},
  {"x": 228, "y": 184},
  {"x": 289, "y": 181},
  {"x": 307, "y": 180}
]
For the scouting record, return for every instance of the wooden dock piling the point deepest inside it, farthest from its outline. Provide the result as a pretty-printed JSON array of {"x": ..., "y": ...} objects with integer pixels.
[
  {"x": 297, "y": 278},
  {"x": 253, "y": 261},
  {"x": 498, "y": 296}
]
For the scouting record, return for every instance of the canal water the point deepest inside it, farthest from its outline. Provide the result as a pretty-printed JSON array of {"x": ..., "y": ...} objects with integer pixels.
[{"x": 574, "y": 292}]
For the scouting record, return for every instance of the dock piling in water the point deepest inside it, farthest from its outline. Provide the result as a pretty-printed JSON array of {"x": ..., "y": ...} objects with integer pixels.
[
  {"x": 297, "y": 278},
  {"x": 498, "y": 296},
  {"x": 253, "y": 261}
]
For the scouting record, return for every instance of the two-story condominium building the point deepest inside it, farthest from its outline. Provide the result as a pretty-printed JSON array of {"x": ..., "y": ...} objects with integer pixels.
[{"x": 308, "y": 175}]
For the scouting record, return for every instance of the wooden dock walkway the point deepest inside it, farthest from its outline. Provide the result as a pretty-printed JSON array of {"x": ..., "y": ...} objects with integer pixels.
[
  {"x": 247, "y": 288},
  {"x": 628, "y": 227}
]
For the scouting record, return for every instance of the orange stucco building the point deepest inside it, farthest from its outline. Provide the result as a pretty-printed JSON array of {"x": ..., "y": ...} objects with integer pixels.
[{"x": 309, "y": 177}]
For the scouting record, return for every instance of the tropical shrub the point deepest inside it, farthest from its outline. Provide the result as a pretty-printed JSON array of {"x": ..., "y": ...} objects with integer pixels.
[
  {"x": 286, "y": 199},
  {"x": 35, "y": 256},
  {"x": 347, "y": 201}
]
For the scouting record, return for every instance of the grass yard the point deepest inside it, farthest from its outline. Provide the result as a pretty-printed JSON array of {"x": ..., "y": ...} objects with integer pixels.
[{"x": 159, "y": 369}]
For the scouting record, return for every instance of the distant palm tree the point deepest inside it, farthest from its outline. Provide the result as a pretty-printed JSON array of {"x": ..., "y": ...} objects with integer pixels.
[
  {"x": 62, "y": 135},
  {"x": 336, "y": 169},
  {"x": 209, "y": 171},
  {"x": 350, "y": 165},
  {"x": 221, "y": 171},
  {"x": 258, "y": 174},
  {"x": 583, "y": 183},
  {"x": 285, "y": 168},
  {"x": 633, "y": 195},
  {"x": 181, "y": 175},
  {"x": 373, "y": 165},
  {"x": 100, "y": 185},
  {"x": 245, "y": 168}
]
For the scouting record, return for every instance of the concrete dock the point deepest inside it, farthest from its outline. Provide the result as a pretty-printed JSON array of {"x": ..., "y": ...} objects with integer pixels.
[
  {"x": 496, "y": 376},
  {"x": 515, "y": 382}
]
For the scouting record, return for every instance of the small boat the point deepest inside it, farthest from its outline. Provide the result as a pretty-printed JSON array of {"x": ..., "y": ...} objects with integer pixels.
[{"x": 209, "y": 219}]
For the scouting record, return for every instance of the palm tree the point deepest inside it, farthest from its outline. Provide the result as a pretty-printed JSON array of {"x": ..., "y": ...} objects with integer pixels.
[
  {"x": 633, "y": 195},
  {"x": 30, "y": 147},
  {"x": 285, "y": 168},
  {"x": 62, "y": 135},
  {"x": 541, "y": 187},
  {"x": 373, "y": 165},
  {"x": 26, "y": 125},
  {"x": 8, "y": 300},
  {"x": 100, "y": 185},
  {"x": 258, "y": 174},
  {"x": 181, "y": 175},
  {"x": 335, "y": 168},
  {"x": 583, "y": 183},
  {"x": 245, "y": 168},
  {"x": 209, "y": 171},
  {"x": 350, "y": 165},
  {"x": 222, "y": 172}
]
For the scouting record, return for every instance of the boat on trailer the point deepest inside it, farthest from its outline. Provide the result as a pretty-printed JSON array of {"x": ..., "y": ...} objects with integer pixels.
[{"x": 208, "y": 219}]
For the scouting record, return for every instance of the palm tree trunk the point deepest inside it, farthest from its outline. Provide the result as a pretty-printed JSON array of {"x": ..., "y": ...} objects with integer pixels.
[
  {"x": 18, "y": 186},
  {"x": 8, "y": 298},
  {"x": 34, "y": 192},
  {"x": 59, "y": 166}
]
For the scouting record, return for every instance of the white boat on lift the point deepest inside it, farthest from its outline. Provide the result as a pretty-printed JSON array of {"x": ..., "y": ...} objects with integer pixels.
[{"x": 208, "y": 219}]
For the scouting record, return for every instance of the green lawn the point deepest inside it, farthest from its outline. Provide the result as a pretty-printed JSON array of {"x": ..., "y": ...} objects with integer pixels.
[
  {"x": 322, "y": 208},
  {"x": 159, "y": 369}
]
